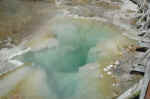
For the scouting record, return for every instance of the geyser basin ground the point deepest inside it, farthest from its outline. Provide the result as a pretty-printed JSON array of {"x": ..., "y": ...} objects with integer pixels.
[{"x": 71, "y": 65}]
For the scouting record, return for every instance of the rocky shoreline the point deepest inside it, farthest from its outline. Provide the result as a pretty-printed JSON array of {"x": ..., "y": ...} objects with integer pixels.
[
  {"x": 142, "y": 65},
  {"x": 123, "y": 16}
]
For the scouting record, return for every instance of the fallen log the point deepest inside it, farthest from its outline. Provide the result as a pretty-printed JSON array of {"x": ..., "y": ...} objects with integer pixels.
[
  {"x": 134, "y": 1},
  {"x": 143, "y": 24},
  {"x": 133, "y": 92},
  {"x": 141, "y": 64},
  {"x": 146, "y": 82}
]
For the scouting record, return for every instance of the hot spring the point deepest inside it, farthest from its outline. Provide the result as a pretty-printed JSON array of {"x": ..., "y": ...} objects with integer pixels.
[{"x": 71, "y": 64}]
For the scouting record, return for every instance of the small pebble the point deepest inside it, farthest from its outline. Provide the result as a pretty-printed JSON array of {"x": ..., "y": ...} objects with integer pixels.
[
  {"x": 100, "y": 76},
  {"x": 115, "y": 84},
  {"x": 105, "y": 69},
  {"x": 117, "y": 62},
  {"x": 109, "y": 67},
  {"x": 109, "y": 73}
]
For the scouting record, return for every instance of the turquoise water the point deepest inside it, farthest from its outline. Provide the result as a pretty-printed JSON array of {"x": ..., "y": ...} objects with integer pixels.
[{"x": 77, "y": 40}]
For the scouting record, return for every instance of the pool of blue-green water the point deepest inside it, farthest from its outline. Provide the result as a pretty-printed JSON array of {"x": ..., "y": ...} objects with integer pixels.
[{"x": 76, "y": 38}]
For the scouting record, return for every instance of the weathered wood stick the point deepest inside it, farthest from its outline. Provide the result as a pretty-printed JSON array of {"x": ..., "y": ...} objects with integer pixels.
[
  {"x": 146, "y": 80},
  {"x": 134, "y": 1},
  {"x": 132, "y": 92}
]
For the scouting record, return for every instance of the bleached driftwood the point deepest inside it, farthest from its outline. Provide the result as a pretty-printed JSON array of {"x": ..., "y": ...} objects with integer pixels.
[
  {"x": 132, "y": 92},
  {"x": 146, "y": 80},
  {"x": 141, "y": 64},
  {"x": 143, "y": 24}
]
